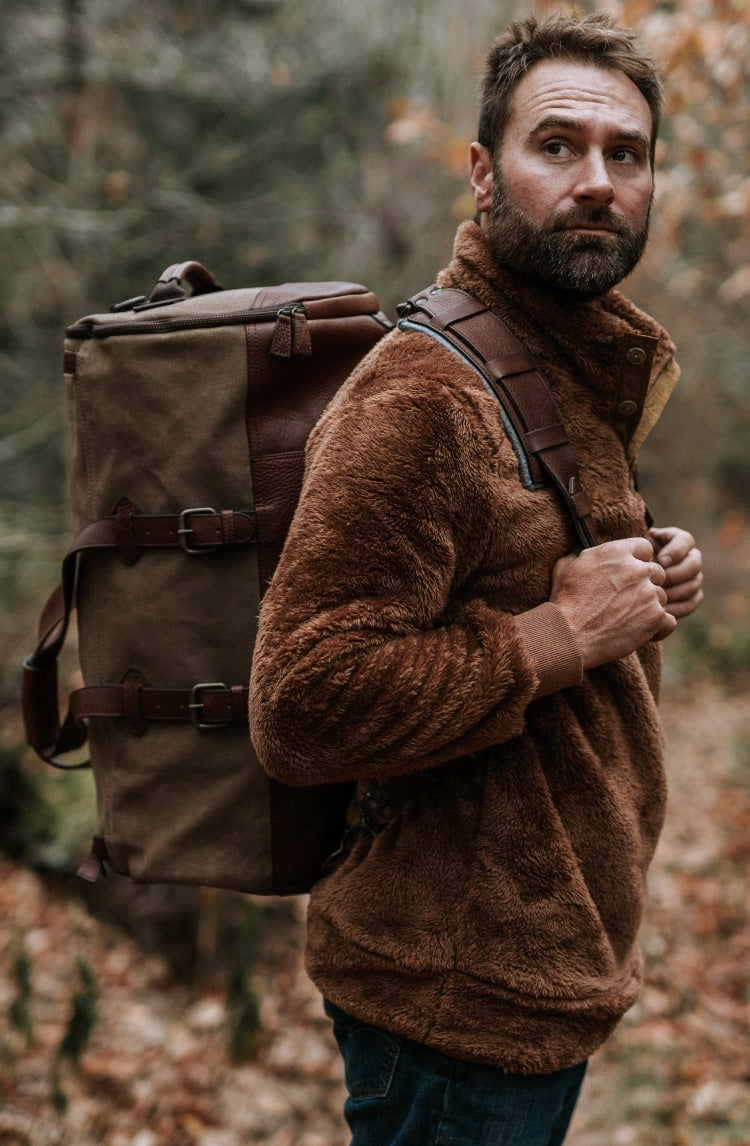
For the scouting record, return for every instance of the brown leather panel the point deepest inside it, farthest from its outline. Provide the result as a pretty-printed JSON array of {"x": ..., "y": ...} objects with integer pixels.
[{"x": 284, "y": 403}]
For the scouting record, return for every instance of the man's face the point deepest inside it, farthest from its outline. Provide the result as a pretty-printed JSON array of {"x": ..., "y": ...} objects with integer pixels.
[{"x": 570, "y": 193}]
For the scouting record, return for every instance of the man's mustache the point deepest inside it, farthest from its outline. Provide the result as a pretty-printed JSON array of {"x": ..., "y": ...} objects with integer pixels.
[{"x": 590, "y": 217}]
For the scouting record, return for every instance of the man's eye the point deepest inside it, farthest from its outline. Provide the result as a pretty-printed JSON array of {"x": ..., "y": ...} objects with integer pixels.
[
  {"x": 556, "y": 147},
  {"x": 626, "y": 155}
]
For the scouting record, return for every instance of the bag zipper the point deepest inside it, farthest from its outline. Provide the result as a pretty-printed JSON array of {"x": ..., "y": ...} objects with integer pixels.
[{"x": 166, "y": 325}]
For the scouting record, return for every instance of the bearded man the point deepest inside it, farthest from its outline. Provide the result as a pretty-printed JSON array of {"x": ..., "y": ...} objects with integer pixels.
[{"x": 433, "y": 633}]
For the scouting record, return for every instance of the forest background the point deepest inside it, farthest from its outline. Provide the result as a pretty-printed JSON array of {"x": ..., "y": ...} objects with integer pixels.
[{"x": 279, "y": 140}]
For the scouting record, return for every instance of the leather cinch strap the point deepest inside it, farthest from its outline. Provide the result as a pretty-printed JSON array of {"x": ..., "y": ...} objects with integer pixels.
[
  {"x": 196, "y": 530},
  {"x": 208, "y": 705},
  {"x": 483, "y": 339}
]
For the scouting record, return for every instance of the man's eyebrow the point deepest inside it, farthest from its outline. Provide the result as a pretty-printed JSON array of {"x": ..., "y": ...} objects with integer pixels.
[{"x": 572, "y": 123}]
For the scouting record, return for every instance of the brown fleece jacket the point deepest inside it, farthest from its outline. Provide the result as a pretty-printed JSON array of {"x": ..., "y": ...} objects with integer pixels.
[{"x": 407, "y": 639}]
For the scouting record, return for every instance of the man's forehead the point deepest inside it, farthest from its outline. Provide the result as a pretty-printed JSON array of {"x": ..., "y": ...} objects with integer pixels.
[{"x": 581, "y": 92}]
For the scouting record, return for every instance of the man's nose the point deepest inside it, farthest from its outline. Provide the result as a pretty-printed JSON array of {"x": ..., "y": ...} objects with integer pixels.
[{"x": 594, "y": 184}]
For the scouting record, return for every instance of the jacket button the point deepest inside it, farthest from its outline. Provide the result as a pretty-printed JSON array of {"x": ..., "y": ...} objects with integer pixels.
[
  {"x": 627, "y": 408},
  {"x": 636, "y": 356}
]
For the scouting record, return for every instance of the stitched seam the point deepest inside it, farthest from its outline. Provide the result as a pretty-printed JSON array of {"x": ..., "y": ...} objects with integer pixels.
[{"x": 446, "y": 1102}]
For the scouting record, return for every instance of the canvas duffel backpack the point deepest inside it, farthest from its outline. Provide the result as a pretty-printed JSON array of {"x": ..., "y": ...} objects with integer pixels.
[
  {"x": 189, "y": 414},
  {"x": 189, "y": 417}
]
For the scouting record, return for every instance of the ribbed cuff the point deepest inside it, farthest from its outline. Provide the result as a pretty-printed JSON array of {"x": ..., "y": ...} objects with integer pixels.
[{"x": 552, "y": 647}]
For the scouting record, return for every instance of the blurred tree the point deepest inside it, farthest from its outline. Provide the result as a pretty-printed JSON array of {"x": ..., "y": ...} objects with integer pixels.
[
  {"x": 696, "y": 275},
  {"x": 251, "y": 136}
]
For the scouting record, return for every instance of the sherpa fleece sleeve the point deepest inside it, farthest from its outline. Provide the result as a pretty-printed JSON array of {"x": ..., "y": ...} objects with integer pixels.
[{"x": 365, "y": 666}]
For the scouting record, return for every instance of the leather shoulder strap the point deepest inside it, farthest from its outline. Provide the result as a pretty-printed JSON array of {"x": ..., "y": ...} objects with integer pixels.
[{"x": 530, "y": 412}]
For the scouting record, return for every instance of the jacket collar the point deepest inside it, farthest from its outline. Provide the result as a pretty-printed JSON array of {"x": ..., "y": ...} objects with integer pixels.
[{"x": 610, "y": 346}]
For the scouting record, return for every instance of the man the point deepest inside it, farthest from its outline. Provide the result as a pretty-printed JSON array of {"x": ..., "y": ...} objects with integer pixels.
[{"x": 432, "y": 633}]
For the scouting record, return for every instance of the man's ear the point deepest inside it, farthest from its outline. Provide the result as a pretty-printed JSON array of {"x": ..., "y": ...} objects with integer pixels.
[{"x": 480, "y": 176}]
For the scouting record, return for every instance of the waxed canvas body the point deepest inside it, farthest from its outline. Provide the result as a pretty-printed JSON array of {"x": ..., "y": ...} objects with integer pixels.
[{"x": 170, "y": 416}]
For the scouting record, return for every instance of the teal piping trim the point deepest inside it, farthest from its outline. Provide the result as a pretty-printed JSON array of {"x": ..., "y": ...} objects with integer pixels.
[{"x": 524, "y": 471}]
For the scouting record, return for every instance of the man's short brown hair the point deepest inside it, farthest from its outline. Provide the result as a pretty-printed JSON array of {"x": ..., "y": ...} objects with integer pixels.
[{"x": 595, "y": 39}]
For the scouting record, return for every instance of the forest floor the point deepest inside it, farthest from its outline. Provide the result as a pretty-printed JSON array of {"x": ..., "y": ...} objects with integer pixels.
[{"x": 156, "y": 1070}]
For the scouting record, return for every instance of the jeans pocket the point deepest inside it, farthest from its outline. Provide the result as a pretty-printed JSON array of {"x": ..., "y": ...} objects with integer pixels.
[{"x": 370, "y": 1055}]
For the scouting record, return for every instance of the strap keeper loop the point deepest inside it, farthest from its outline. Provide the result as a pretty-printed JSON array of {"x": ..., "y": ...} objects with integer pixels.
[
  {"x": 125, "y": 539},
  {"x": 132, "y": 683}
]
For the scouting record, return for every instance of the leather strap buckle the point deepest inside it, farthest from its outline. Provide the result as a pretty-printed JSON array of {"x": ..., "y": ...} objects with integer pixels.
[
  {"x": 185, "y": 531},
  {"x": 196, "y": 706}
]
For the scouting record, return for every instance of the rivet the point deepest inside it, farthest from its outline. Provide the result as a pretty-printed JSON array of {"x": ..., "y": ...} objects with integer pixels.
[
  {"x": 636, "y": 356},
  {"x": 627, "y": 407}
]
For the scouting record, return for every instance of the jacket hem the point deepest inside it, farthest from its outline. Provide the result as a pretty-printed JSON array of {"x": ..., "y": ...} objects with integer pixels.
[
  {"x": 467, "y": 1020},
  {"x": 467, "y": 1017}
]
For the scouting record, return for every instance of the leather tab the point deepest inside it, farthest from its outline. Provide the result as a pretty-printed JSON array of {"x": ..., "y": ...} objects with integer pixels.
[
  {"x": 125, "y": 511},
  {"x": 301, "y": 342},
  {"x": 132, "y": 683},
  {"x": 227, "y": 527},
  {"x": 291, "y": 334},
  {"x": 453, "y": 307},
  {"x": 281, "y": 346},
  {"x": 544, "y": 439},
  {"x": 582, "y": 503},
  {"x": 511, "y": 363}
]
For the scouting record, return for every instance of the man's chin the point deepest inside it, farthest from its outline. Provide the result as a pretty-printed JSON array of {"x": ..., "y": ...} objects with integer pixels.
[
  {"x": 587, "y": 270},
  {"x": 574, "y": 279},
  {"x": 588, "y": 290}
]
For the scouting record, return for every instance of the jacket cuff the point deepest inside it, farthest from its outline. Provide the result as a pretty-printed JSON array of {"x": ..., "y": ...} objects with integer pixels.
[{"x": 552, "y": 648}]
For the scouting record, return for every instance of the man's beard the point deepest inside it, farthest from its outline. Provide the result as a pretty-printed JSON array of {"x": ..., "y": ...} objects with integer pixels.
[{"x": 584, "y": 265}]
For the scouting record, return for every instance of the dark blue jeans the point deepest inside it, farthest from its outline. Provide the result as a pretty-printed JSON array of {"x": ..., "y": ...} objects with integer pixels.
[{"x": 404, "y": 1094}]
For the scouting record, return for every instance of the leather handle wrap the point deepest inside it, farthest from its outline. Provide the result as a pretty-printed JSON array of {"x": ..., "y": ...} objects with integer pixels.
[{"x": 198, "y": 278}]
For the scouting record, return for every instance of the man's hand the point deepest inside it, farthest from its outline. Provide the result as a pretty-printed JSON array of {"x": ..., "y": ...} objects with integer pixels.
[
  {"x": 614, "y": 597},
  {"x": 676, "y": 552}
]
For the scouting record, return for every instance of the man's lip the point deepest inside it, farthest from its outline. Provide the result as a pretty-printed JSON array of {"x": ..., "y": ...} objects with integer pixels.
[{"x": 598, "y": 227}]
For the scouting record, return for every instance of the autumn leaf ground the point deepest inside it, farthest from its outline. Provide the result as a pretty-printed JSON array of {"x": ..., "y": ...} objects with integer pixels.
[{"x": 157, "y": 1068}]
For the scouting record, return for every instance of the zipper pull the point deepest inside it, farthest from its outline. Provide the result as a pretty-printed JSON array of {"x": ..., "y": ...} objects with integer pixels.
[{"x": 292, "y": 333}]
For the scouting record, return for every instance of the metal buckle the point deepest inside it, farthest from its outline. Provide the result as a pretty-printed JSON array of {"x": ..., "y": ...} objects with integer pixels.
[
  {"x": 185, "y": 530},
  {"x": 196, "y": 704}
]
